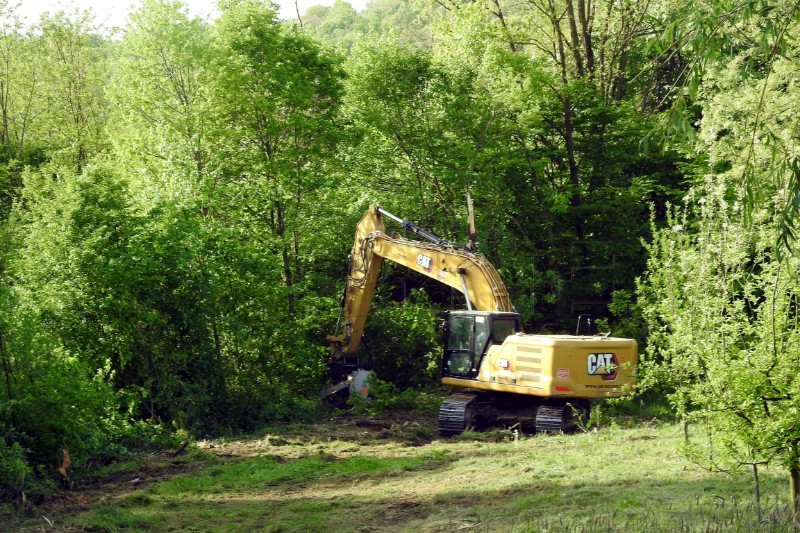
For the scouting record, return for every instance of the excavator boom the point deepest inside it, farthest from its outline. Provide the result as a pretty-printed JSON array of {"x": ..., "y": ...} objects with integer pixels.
[{"x": 469, "y": 272}]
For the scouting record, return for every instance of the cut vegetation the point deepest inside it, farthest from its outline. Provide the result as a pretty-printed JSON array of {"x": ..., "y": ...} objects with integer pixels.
[{"x": 392, "y": 473}]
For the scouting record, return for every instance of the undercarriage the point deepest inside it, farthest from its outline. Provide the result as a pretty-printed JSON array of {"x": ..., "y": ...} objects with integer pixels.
[{"x": 467, "y": 410}]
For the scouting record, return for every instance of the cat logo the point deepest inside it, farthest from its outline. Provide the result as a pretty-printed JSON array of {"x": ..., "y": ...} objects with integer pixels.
[
  {"x": 425, "y": 262},
  {"x": 605, "y": 365}
]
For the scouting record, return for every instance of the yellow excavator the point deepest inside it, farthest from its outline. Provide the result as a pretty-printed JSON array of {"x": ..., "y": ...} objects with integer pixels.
[{"x": 499, "y": 370}]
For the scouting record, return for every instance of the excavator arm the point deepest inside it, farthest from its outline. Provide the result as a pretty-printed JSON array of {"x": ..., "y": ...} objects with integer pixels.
[{"x": 469, "y": 272}]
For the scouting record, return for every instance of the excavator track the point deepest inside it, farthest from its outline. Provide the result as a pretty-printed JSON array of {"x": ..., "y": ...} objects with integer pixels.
[
  {"x": 456, "y": 413},
  {"x": 558, "y": 418},
  {"x": 550, "y": 418}
]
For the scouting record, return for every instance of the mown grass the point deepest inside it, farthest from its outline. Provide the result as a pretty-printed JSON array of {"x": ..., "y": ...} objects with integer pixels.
[{"x": 606, "y": 480}]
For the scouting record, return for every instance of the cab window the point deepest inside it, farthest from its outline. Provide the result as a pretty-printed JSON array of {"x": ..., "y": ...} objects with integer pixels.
[
  {"x": 460, "y": 333},
  {"x": 503, "y": 328},
  {"x": 481, "y": 333}
]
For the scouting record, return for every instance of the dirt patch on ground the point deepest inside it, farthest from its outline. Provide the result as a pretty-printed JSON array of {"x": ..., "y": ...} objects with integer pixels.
[{"x": 149, "y": 469}]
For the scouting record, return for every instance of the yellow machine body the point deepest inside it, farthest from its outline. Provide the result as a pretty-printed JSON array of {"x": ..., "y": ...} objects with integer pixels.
[{"x": 554, "y": 366}]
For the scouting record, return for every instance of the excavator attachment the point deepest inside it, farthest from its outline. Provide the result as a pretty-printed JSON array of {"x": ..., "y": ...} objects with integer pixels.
[{"x": 355, "y": 384}]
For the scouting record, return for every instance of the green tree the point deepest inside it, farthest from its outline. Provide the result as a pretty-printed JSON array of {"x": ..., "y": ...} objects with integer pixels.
[
  {"x": 279, "y": 94},
  {"x": 728, "y": 51},
  {"x": 61, "y": 338},
  {"x": 545, "y": 141},
  {"x": 398, "y": 18},
  {"x": 722, "y": 311},
  {"x": 338, "y": 24},
  {"x": 719, "y": 296},
  {"x": 20, "y": 105},
  {"x": 163, "y": 119},
  {"x": 73, "y": 64}
]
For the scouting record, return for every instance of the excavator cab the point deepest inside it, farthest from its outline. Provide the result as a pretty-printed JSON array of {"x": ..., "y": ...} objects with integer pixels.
[{"x": 468, "y": 336}]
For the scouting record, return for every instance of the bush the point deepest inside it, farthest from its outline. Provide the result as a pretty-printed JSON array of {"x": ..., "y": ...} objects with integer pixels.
[
  {"x": 385, "y": 396},
  {"x": 14, "y": 472},
  {"x": 403, "y": 341}
]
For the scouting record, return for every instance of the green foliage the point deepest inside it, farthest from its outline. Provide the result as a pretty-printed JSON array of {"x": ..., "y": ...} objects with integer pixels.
[
  {"x": 403, "y": 342},
  {"x": 340, "y": 25},
  {"x": 14, "y": 472},
  {"x": 737, "y": 59},
  {"x": 162, "y": 115},
  {"x": 551, "y": 163},
  {"x": 721, "y": 307},
  {"x": 386, "y": 396},
  {"x": 73, "y": 65},
  {"x": 177, "y": 204},
  {"x": 718, "y": 297},
  {"x": 627, "y": 312}
]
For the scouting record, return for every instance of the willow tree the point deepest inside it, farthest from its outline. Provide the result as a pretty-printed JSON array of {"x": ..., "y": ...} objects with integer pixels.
[
  {"x": 739, "y": 66},
  {"x": 722, "y": 309},
  {"x": 721, "y": 292}
]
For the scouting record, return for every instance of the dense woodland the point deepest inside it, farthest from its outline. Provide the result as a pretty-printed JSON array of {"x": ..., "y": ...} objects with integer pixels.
[{"x": 178, "y": 199}]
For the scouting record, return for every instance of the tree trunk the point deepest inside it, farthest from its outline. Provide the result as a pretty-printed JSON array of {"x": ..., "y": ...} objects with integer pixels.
[
  {"x": 221, "y": 401},
  {"x": 299, "y": 271},
  {"x": 575, "y": 43},
  {"x": 794, "y": 487},
  {"x": 5, "y": 135},
  {"x": 574, "y": 173},
  {"x": 287, "y": 276},
  {"x": 9, "y": 378},
  {"x": 620, "y": 81},
  {"x": 585, "y": 16},
  {"x": 559, "y": 36},
  {"x": 757, "y": 491},
  {"x": 501, "y": 17},
  {"x": 278, "y": 225}
]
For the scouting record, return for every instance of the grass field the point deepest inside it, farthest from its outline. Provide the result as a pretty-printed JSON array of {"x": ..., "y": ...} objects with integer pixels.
[{"x": 393, "y": 473}]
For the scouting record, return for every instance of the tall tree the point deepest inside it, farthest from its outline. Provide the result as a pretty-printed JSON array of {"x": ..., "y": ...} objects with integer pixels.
[
  {"x": 338, "y": 24},
  {"x": 720, "y": 296},
  {"x": 512, "y": 107},
  {"x": 743, "y": 49},
  {"x": 280, "y": 93},
  {"x": 20, "y": 105},
  {"x": 73, "y": 62},
  {"x": 425, "y": 128},
  {"x": 163, "y": 115},
  {"x": 722, "y": 310}
]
